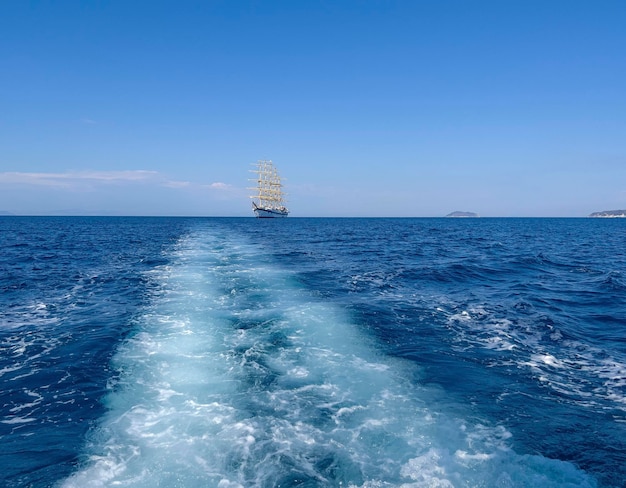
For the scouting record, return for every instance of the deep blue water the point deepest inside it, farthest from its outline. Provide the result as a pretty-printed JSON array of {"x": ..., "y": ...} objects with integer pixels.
[{"x": 312, "y": 352}]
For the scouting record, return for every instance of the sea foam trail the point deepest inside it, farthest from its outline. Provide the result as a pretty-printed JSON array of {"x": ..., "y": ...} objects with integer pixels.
[{"x": 236, "y": 376}]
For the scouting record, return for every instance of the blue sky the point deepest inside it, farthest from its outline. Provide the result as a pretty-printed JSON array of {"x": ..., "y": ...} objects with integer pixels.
[{"x": 368, "y": 108}]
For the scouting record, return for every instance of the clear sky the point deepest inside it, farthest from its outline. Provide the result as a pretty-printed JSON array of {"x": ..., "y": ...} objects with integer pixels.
[{"x": 368, "y": 108}]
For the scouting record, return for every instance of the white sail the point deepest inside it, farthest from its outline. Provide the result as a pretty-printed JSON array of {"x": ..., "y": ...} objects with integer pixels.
[{"x": 269, "y": 199}]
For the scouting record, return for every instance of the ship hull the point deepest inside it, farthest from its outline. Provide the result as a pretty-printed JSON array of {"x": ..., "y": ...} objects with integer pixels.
[{"x": 266, "y": 213}]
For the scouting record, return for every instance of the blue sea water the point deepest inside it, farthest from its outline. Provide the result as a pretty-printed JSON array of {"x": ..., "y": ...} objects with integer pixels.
[{"x": 175, "y": 352}]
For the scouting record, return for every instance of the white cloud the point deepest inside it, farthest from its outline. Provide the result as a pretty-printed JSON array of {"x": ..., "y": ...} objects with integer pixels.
[
  {"x": 91, "y": 180},
  {"x": 176, "y": 184},
  {"x": 132, "y": 175},
  {"x": 219, "y": 186},
  {"x": 115, "y": 193},
  {"x": 70, "y": 179}
]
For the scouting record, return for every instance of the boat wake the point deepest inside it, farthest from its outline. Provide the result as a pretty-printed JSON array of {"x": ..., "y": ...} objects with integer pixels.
[{"x": 236, "y": 376}]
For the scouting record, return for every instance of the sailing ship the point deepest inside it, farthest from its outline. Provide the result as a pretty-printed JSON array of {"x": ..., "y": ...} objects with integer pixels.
[{"x": 268, "y": 201}]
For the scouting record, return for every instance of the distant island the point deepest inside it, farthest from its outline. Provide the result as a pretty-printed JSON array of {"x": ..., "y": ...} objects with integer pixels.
[
  {"x": 4, "y": 212},
  {"x": 458, "y": 213},
  {"x": 607, "y": 214}
]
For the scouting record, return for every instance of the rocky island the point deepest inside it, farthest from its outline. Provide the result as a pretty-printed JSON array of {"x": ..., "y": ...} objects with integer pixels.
[
  {"x": 609, "y": 214},
  {"x": 458, "y": 213}
]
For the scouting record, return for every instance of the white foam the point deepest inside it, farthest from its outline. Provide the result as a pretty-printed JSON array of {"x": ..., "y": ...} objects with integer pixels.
[
  {"x": 571, "y": 368},
  {"x": 17, "y": 420},
  {"x": 29, "y": 405},
  {"x": 547, "y": 359},
  {"x": 237, "y": 377}
]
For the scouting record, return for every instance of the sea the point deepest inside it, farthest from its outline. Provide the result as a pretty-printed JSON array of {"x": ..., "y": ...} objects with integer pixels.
[{"x": 312, "y": 352}]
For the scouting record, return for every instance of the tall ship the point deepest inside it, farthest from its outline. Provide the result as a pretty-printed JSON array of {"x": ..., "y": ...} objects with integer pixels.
[{"x": 269, "y": 199}]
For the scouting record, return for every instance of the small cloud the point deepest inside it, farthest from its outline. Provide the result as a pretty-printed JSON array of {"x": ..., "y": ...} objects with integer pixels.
[
  {"x": 44, "y": 179},
  {"x": 219, "y": 186},
  {"x": 176, "y": 184},
  {"x": 88, "y": 121},
  {"x": 117, "y": 176}
]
